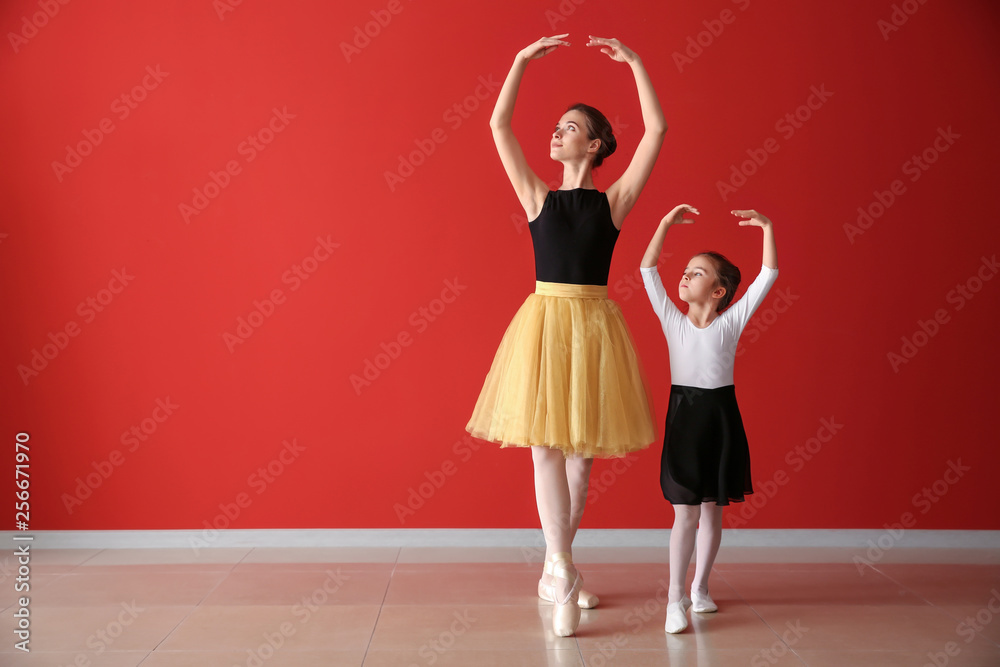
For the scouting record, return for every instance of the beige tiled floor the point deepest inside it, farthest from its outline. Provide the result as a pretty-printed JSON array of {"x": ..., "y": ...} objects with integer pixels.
[{"x": 448, "y": 607}]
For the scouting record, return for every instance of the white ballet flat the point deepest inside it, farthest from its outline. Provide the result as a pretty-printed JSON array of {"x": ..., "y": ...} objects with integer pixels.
[
  {"x": 703, "y": 604},
  {"x": 677, "y": 616},
  {"x": 547, "y": 592}
]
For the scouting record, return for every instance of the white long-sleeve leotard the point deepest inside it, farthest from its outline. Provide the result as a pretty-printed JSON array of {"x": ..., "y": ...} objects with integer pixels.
[{"x": 704, "y": 358}]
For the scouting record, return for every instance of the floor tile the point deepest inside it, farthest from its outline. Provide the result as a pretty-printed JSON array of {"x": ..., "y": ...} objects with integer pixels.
[
  {"x": 332, "y": 585},
  {"x": 91, "y": 631},
  {"x": 292, "y": 628},
  {"x": 467, "y": 627}
]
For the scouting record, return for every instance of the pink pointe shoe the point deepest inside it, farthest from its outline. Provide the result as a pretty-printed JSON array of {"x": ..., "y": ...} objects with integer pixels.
[
  {"x": 587, "y": 599},
  {"x": 566, "y": 615}
]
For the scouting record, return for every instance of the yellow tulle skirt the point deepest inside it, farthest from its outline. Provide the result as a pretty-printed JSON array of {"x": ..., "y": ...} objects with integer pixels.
[{"x": 567, "y": 375}]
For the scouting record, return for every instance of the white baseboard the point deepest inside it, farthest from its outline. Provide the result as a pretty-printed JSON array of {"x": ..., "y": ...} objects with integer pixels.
[{"x": 472, "y": 537}]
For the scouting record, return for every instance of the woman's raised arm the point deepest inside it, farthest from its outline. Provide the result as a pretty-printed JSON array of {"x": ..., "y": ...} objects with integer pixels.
[
  {"x": 624, "y": 192},
  {"x": 530, "y": 189}
]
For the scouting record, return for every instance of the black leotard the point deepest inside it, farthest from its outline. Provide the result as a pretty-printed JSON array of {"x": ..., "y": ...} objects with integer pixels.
[{"x": 574, "y": 237}]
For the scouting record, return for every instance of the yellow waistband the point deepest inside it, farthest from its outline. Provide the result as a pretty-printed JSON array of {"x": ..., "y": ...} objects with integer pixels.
[{"x": 565, "y": 289}]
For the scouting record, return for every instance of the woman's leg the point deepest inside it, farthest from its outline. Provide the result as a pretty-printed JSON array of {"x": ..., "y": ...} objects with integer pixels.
[
  {"x": 682, "y": 538},
  {"x": 552, "y": 495},
  {"x": 709, "y": 539},
  {"x": 578, "y": 480},
  {"x": 578, "y": 477}
]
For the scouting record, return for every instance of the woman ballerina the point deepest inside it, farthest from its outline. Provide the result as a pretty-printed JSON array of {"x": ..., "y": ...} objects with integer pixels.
[{"x": 566, "y": 380}]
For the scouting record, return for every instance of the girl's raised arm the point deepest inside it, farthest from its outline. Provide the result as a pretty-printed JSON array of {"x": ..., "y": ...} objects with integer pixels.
[
  {"x": 623, "y": 194},
  {"x": 675, "y": 217},
  {"x": 530, "y": 189},
  {"x": 770, "y": 252}
]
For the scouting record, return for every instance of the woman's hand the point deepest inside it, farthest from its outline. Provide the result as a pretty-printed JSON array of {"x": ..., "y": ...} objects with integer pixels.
[
  {"x": 676, "y": 216},
  {"x": 755, "y": 219},
  {"x": 543, "y": 47},
  {"x": 614, "y": 49}
]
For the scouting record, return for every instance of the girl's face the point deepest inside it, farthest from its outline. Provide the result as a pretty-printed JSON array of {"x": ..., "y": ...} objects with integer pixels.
[
  {"x": 700, "y": 282},
  {"x": 569, "y": 139}
]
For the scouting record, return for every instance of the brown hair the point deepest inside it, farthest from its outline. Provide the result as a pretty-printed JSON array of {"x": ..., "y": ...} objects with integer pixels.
[
  {"x": 598, "y": 127},
  {"x": 728, "y": 277}
]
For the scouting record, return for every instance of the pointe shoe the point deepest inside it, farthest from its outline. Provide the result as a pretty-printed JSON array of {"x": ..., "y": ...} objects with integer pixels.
[
  {"x": 566, "y": 614},
  {"x": 677, "y": 616},
  {"x": 587, "y": 599},
  {"x": 702, "y": 604}
]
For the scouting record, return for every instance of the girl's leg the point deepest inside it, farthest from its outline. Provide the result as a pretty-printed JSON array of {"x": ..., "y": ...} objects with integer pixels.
[
  {"x": 709, "y": 539},
  {"x": 682, "y": 538}
]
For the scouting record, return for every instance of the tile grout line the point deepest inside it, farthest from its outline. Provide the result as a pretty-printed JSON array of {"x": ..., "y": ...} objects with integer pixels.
[
  {"x": 195, "y": 607},
  {"x": 931, "y": 604},
  {"x": 791, "y": 649},
  {"x": 388, "y": 583}
]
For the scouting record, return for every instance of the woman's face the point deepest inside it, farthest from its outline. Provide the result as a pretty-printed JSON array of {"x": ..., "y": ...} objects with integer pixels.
[{"x": 569, "y": 138}]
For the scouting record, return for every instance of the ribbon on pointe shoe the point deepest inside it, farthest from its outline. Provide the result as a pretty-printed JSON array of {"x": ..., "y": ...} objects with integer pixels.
[
  {"x": 587, "y": 600},
  {"x": 566, "y": 615}
]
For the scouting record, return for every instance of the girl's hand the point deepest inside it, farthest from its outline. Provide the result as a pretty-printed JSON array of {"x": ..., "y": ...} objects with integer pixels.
[
  {"x": 676, "y": 216},
  {"x": 543, "y": 47},
  {"x": 755, "y": 219},
  {"x": 614, "y": 49}
]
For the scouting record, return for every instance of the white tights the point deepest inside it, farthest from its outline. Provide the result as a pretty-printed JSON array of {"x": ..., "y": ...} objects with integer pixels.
[
  {"x": 682, "y": 542},
  {"x": 561, "y": 493}
]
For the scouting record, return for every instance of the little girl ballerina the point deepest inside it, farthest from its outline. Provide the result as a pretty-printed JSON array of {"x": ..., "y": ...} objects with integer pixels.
[{"x": 706, "y": 460}]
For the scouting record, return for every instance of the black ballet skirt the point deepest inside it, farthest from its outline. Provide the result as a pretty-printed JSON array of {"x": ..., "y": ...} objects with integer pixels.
[{"x": 706, "y": 457}]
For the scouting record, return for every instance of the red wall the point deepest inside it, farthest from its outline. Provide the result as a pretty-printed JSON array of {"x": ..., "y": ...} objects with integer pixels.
[{"x": 426, "y": 268}]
